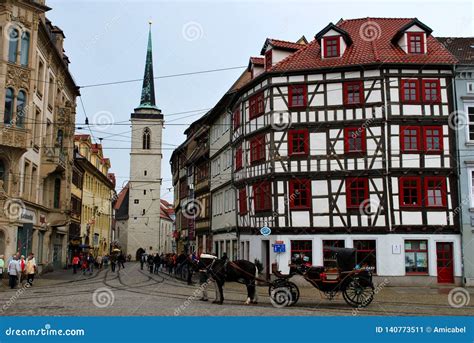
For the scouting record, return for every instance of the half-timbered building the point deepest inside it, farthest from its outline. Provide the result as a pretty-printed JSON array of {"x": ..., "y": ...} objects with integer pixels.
[{"x": 344, "y": 141}]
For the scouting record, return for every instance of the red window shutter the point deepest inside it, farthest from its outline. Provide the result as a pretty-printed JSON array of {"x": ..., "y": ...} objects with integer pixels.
[
  {"x": 355, "y": 140},
  {"x": 262, "y": 196},
  {"x": 409, "y": 91},
  {"x": 257, "y": 149},
  {"x": 410, "y": 139},
  {"x": 409, "y": 191},
  {"x": 431, "y": 91},
  {"x": 256, "y": 105},
  {"x": 236, "y": 118},
  {"x": 357, "y": 191},
  {"x": 243, "y": 201},
  {"x": 298, "y": 142},
  {"x": 433, "y": 139},
  {"x": 353, "y": 93},
  {"x": 238, "y": 158},
  {"x": 297, "y": 96}
]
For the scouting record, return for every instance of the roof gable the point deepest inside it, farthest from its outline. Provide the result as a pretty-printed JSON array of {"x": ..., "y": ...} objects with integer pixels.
[{"x": 331, "y": 26}]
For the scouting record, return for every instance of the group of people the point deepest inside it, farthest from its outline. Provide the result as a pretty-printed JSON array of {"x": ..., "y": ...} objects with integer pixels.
[
  {"x": 171, "y": 263},
  {"x": 20, "y": 269},
  {"x": 86, "y": 262}
]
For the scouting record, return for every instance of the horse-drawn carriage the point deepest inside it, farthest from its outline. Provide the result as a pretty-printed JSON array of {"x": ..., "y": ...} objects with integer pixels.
[{"x": 347, "y": 277}]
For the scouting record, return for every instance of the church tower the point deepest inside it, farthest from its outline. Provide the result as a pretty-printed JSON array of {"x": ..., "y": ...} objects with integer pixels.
[{"x": 145, "y": 167}]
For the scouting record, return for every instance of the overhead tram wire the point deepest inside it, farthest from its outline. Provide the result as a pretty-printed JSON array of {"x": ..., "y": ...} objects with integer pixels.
[{"x": 163, "y": 77}]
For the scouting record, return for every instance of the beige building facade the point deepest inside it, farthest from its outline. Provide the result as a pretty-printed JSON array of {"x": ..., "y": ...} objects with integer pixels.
[{"x": 36, "y": 134}]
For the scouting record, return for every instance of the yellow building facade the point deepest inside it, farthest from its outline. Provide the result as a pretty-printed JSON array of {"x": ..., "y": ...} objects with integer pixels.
[{"x": 97, "y": 196}]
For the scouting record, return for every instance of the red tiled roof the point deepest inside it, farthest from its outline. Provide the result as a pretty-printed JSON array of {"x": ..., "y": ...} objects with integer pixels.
[
  {"x": 121, "y": 196},
  {"x": 257, "y": 60},
  {"x": 367, "y": 51},
  {"x": 282, "y": 44}
]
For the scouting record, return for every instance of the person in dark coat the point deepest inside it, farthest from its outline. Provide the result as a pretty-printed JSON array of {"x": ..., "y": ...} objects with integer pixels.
[
  {"x": 156, "y": 263},
  {"x": 224, "y": 257},
  {"x": 121, "y": 260},
  {"x": 150, "y": 263},
  {"x": 142, "y": 260},
  {"x": 113, "y": 262}
]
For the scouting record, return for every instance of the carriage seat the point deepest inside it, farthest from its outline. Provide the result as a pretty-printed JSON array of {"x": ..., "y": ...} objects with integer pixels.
[
  {"x": 279, "y": 274},
  {"x": 314, "y": 272}
]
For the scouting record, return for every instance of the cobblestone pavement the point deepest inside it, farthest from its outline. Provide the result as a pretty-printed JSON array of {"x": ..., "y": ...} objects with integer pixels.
[{"x": 133, "y": 292}]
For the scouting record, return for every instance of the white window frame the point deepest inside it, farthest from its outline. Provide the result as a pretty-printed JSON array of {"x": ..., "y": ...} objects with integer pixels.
[
  {"x": 471, "y": 86},
  {"x": 470, "y": 172},
  {"x": 468, "y": 123}
]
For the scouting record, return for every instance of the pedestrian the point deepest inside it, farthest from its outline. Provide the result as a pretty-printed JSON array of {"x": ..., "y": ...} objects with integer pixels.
[
  {"x": 22, "y": 268},
  {"x": 84, "y": 265},
  {"x": 224, "y": 257},
  {"x": 142, "y": 260},
  {"x": 113, "y": 261},
  {"x": 13, "y": 271},
  {"x": 75, "y": 264},
  {"x": 203, "y": 280},
  {"x": 90, "y": 264},
  {"x": 99, "y": 262},
  {"x": 188, "y": 262},
  {"x": 30, "y": 269},
  {"x": 156, "y": 263},
  {"x": 105, "y": 261},
  {"x": 121, "y": 260},
  {"x": 150, "y": 263},
  {"x": 2, "y": 266}
]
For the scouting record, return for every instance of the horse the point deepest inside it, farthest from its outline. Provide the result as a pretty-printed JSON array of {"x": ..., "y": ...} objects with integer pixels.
[{"x": 241, "y": 271}]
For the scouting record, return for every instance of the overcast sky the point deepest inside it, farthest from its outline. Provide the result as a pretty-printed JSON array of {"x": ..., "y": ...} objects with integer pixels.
[{"x": 106, "y": 42}]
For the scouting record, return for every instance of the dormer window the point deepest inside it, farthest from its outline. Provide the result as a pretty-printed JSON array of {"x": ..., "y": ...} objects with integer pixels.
[
  {"x": 416, "y": 42},
  {"x": 268, "y": 60},
  {"x": 331, "y": 47}
]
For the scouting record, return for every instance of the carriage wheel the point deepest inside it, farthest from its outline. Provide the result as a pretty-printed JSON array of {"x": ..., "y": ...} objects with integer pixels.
[
  {"x": 359, "y": 292},
  {"x": 284, "y": 294}
]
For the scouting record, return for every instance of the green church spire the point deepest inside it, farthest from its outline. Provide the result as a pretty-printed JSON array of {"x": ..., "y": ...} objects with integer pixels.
[{"x": 148, "y": 88}]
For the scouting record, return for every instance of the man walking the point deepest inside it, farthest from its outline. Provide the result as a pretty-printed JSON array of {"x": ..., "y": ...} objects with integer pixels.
[
  {"x": 13, "y": 272},
  {"x": 30, "y": 269},
  {"x": 113, "y": 261},
  {"x": 156, "y": 263},
  {"x": 142, "y": 260}
]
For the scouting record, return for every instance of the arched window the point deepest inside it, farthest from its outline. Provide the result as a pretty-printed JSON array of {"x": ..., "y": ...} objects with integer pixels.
[
  {"x": 8, "y": 116},
  {"x": 13, "y": 36},
  {"x": 146, "y": 139},
  {"x": 20, "y": 109},
  {"x": 25, "y": 48}
]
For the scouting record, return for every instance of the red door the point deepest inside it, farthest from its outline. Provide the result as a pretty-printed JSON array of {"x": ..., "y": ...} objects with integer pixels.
[{"x": 444, "y": 253}]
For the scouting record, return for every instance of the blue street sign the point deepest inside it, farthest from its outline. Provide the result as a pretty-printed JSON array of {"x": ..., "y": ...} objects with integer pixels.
[{"x": 279, "y": 248}]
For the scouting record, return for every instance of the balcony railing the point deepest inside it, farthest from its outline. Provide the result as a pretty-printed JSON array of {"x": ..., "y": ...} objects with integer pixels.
[{"x": 55, "y": 157}]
